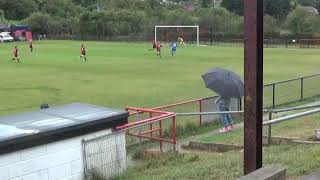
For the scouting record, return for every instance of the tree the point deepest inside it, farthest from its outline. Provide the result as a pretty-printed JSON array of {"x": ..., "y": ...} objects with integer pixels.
[
  {"x": 307, "y": 2},
  {"x": 2, "y": 16},
  {"x": 278, "y": 8},
  {"x": 301, "y": 22},
  {"x": 271, "y": 27},
  {"x": 18, "y": 9},
  {"x": 178, "y": 17},
  {"x": 61, "y": 8},
  {"x": 38, "y": 23},
  {"x": 235, "y": 6},
  {"x": 205, "y": 3},
  {"x": 317, "y": 6},
  {"x": 221, "y": 22}
]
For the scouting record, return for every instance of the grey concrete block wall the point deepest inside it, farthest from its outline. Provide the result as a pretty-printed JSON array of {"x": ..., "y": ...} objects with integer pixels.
[{"x": 54, "y": 161}]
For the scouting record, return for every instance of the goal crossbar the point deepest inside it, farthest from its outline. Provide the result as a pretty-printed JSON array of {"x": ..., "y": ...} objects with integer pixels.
[{"x": 168, "y": 26}]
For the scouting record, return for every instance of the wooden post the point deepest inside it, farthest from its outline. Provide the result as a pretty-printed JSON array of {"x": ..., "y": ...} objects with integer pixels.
[{"x": 253, "y": 76}]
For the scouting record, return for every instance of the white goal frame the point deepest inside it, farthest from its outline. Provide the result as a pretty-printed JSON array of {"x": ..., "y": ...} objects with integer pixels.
[{"x": 161, "y": 26}]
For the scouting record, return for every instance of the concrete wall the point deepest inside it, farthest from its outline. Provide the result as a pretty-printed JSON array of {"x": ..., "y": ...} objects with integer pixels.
[
  {"x": 61, "y": 160},
  {"x": 275, "y": 172}
]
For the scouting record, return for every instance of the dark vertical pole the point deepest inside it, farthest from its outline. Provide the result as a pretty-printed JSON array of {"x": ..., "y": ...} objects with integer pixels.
[
  {"x": 301, "y": 86},
  {"x": 165, "y": 36},
  {"x": 150, "y": 125},
  {"x": 174, "y": 131},
  {"x": 161, "y": 135},
  {"x": 269, "y": 129},
  {"x": 253, "y": 76},
  {"x": 211, "y": 35},
  {"x": 200, "y": 110},
  {"x": 273, "y": 95}
]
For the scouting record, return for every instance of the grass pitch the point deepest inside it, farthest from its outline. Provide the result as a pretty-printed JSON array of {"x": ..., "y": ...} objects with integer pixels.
[{"x": 120, "y": 74}]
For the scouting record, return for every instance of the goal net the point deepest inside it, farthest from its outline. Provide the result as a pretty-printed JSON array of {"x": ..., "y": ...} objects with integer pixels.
[{"x": 167, "y": 34}]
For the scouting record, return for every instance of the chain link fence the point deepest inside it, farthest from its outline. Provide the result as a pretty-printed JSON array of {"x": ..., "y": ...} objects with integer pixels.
[
  {"x": 104, "y": 156},
  {"x": 109, "y": 155}
]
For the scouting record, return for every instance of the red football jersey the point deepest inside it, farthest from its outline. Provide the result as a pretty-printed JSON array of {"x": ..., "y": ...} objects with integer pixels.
[{"x": 15, "y": 51}]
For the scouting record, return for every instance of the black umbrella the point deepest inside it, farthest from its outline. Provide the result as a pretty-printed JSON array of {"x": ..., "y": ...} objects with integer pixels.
[{"x": 224, "y": 82}]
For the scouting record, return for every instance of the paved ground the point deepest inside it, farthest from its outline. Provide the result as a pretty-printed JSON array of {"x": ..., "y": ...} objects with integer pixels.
[{"x": 312, "y": 176}]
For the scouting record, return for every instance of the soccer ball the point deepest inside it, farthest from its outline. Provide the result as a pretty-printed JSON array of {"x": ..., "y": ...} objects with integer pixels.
[{"x": 294, "y": 40}]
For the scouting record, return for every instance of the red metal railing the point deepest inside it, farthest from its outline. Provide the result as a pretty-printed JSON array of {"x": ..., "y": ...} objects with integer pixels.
[
  {"x": 152, "y": 123},
  {"x": 196, "y": 102},
  {"x": 149, "y": 134}
]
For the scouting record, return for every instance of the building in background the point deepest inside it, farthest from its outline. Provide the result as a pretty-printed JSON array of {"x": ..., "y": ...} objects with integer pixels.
[
  {"x": 21, "y": 32},
  {"x": 4, "y": 27}
]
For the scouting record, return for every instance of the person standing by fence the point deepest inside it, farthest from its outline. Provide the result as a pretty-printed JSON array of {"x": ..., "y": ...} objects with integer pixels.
[{"x": 224, "y": 105}]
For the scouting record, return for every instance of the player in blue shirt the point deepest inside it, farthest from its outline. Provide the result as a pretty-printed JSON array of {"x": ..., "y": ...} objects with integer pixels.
[{"x": 173, "y": 48}]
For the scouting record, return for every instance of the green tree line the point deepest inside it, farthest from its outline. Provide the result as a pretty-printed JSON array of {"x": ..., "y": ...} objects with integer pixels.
[{"x": 109, "y": 18}]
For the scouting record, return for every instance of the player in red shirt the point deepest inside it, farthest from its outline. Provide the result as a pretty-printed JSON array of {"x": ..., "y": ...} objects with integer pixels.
[
  {"x": 158, "y": 47},
  {"x": 154, "y": 45},
  {"x": 83, "y": 52},
  {"x": 15, "y": 54},
  {"x": 30, "y": 45}
]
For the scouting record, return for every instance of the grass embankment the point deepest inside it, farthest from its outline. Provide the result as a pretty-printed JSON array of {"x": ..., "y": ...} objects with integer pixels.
[{"x": 299, "y": 160}]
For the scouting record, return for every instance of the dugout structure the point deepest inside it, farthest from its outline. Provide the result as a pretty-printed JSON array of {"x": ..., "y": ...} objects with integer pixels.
[
  {"x": 169, "y": 26},
  {"x": 47, "y": 143}
]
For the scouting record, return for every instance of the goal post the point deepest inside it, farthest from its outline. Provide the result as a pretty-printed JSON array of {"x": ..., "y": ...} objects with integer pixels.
[{"x": 166, "y": 26}]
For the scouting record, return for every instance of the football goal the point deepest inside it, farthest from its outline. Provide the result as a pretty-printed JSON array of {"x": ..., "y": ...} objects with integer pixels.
[{"x": 172, "y": 33}]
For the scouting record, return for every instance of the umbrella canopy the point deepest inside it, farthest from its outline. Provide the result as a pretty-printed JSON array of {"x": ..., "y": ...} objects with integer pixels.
[{"x": 224, "y": 82}]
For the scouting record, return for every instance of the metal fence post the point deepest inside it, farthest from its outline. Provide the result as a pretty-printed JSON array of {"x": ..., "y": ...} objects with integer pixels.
[
  {"x": 161, "y": 135},
  {"x": 273, "y": 94},
  {"x": 174, "y": 137},
  {"x": 150, "y": 126},
  {"x": 239, "y": 104},
  {"x": 211, "y": 35},
  {"x": 301, "y": 86},
  {"x": 200, "y": 110},
  {"x": 269, "y": 129}
]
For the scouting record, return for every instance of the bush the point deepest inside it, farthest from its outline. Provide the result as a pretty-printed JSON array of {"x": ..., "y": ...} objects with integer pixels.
[
  {"x": 271, "y": 27},
  {"x": 301, "y": 22},
  {"x": 221, "y": 21}
]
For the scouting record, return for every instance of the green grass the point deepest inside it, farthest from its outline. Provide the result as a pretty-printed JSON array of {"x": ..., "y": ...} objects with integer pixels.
[
  {"x": 223, "y": 166},
  {"x": 300, "y": 128},
  {"x": 120, "y": 74},
  {"x": 234, "y": 137}
]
